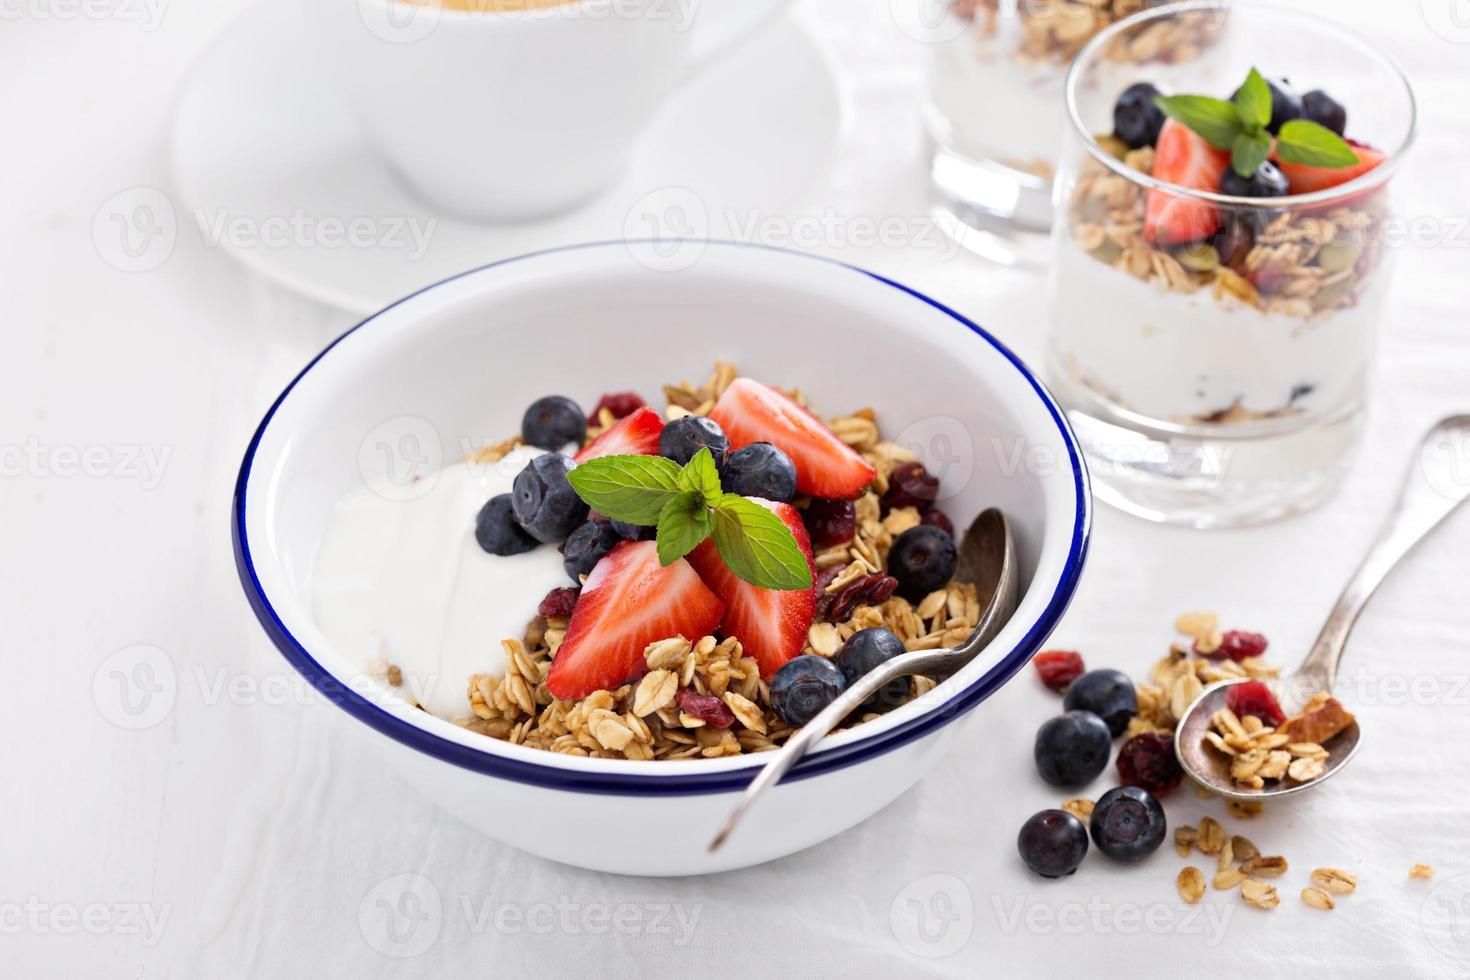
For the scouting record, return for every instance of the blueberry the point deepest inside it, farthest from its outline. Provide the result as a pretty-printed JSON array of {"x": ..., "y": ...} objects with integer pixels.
[
  {"x": 1109, "y": 694},
  {"x": 922, "y": 559},
  {"x": 552, "y": 422},
  {"x": 684, "y": 437},
  {"x": 635, "y": 532},
  {"x": 545, "y": 503},
  {"x": 1322, "y": 108},
  {"x": 1072, "y": 749},
  {"x": 496, "y": 529},
  {"x": 1052, "y": 843},
  {"x": 1128, "y": 824},
  {"x": 760, "y": 470},
  {"x": 1286, "y": 105},
  {"x": 803, "y": 687},
  {"x": 586, "y": 546},
  {"x": 1136, "y": 120},
  {"x": 1267, "y": 181},
  {"x": 866, "y": 650}
]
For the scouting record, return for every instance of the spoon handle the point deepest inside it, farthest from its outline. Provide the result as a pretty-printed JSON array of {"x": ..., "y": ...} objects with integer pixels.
[
  {"x": 1438, "y": 481},
  {"x": 827, "y": 719}
]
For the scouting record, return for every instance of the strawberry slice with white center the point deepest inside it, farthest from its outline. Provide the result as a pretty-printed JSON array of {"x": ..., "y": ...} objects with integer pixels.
[
  {"x": 750, "y": 412},
  {"x": 1185, "y": 158},
  {"x": 628, "y": 602},
  {"x": 771, "y": 624},
  {"x": 633, "y": 435},
  {"x": 1307, "y": 180}
]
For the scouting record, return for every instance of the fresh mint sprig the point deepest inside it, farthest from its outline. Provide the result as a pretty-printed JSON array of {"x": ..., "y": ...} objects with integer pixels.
[
  {"x": 688, "y": 505},
  {"x": 1240, "y": 127}
]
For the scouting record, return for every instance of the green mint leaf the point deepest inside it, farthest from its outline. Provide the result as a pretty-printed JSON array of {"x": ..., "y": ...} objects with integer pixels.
[
  {"x": 702, "y": 477},
  {"x": 1253, "y": 102},
  {"x": 1216, "y": 120},
  {"x": 633, "y": 489},
  {"x": 1249, "y": 152},
  {"x": 757, "y": 546},
  {"x": 1305, "y": 142},
  {"x": 683, "y": 523}
]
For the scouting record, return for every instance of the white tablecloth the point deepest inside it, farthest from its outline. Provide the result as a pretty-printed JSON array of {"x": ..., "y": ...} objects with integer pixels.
[{"x": 246, "y": 832}]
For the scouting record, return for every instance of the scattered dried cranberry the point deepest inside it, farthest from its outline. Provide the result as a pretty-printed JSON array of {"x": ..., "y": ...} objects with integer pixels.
[
  {"x": 1058, "y": 668},
  {"x": 620, "y": 403},
  {"x": 935, "y": 517},
  {"x": 830, "y": 522},
  {"x": 910, "y": 485},
  {"x": 706, "y": 707},
  {"x": 1254, "y": 698},
  {"x": 1239, "y": 645},
  {"x": 869, "y": 590},
  {"x": 1148, "y": 762},
  {"x": 559, "y": 603}
]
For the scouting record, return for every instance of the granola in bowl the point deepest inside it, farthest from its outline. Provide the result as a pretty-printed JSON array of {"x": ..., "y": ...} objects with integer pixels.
[{"x": 729, "y": 563}]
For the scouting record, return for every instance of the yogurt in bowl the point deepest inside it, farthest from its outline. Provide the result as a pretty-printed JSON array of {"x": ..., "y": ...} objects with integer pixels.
[{"x": 457, "y": 363}]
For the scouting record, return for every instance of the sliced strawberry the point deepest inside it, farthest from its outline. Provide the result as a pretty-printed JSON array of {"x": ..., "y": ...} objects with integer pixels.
[
  {"x": 1183, "y": 157},
  {"x": 770, "y": 624},
  {"x": 750, "y": 412},
  {"x": 633, "y": 435},
  {"x": 628, "y": 602},
  {"x": 1307, "y": 180}
]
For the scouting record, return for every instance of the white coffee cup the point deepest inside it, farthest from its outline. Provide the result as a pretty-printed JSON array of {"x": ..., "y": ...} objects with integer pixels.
[{"x": 512, "y": 115}]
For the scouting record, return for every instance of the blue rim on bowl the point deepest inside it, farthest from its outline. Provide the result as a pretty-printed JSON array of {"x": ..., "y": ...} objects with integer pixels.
[{"x": 665, "y": 782}]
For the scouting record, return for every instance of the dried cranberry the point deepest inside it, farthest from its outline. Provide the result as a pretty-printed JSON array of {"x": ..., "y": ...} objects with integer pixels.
[
  {"x": 1240, "y": 645},
  {"x": 1148, "y": 762},
  {"x": 706, "y": 707},
  {"x": 935, "y": 517},
  {"x": 1254, "y": 698},
  {"x": 910, "y": 485},
  {"x": 1058, "y": 668},
  {"x": 830, "y": 522},
  {"x": 620, "y": 403},
  {"x": 869, "y": 590},
  {"x": 559, "y": 603}
]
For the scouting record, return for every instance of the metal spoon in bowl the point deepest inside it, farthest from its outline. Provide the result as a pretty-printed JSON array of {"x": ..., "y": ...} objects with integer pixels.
[
  {"x": 986, "y": 560},
  {"x": 1437, "y": 484}
]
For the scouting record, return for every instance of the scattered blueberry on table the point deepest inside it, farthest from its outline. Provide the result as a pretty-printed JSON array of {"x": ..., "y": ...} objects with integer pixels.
[
  {"x": 1109, "y": 694},
  {"x": 1052, "y": 843},
  {"x": 1072, "y": 749},
  {"x": 1128, "y": 823}
]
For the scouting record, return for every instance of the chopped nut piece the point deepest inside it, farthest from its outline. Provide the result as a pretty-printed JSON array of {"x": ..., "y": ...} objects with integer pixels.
[
  {"x": 1421, "y": 871},
  {"x": 1257, "y": 893},
  {"x": 1317, "y": 899},
  {"x": 1079, "y": 807},
  {"x": 1191, "y": 884},
  {"x": 1335, "y": 880},
  {"x": 1319, "y": 722}
]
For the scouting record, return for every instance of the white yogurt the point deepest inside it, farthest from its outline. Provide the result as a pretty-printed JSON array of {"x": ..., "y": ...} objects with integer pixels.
[
  {"x": 1174, "y": 356},
  {"x": 404, "y": 581}
]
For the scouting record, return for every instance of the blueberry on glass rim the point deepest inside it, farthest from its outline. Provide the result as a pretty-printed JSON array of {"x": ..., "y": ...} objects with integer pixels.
[
  {"x": 684, "y": 437},
  {"x": 552, "y": 422},
  {"x": 1136, "y": 119},
  {"x": 1052, "y": 843},
  {"x": 544, "y": 503}
]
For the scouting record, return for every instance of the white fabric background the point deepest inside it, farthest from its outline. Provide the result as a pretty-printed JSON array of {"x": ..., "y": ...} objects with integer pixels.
[{"x": 262, "y": 828}]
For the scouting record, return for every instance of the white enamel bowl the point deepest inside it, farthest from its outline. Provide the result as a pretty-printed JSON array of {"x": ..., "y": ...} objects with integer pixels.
[{"x": 455, "y": 365}]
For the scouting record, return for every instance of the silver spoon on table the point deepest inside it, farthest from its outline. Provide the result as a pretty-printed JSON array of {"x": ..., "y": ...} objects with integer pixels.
[
  {"x": 1438, "y": 481},
  {"x": 987, "y": 560}
]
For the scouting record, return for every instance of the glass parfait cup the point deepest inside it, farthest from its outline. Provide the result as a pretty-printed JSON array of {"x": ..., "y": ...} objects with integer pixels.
[
  {"x": 996, "y": 111},
  {"x": 1221, "y": 380}
]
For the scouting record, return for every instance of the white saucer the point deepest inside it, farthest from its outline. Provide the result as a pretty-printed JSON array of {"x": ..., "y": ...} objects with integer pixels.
[{"x": 270, "y": 167}]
